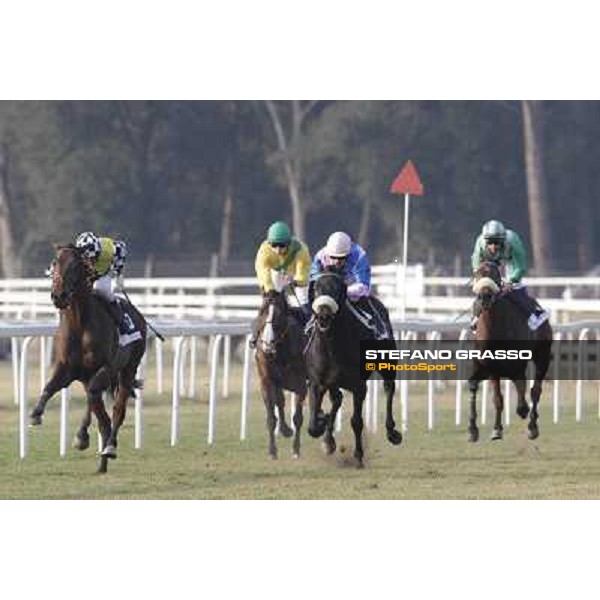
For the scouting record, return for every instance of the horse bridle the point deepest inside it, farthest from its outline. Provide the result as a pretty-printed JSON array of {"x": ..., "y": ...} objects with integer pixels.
[
  {"x": 58, "y": 280},
  {"x": 277, "y": 340},
  {"x": 337, "y": 302}
]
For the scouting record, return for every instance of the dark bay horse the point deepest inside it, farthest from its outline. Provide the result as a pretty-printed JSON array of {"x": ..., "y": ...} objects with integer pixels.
[
  {"x": 333, "y": 362},
  {"x": 500, "y": 323},
  {"x": 87, "y": 350},
  {"x": 280, "y": 365}
]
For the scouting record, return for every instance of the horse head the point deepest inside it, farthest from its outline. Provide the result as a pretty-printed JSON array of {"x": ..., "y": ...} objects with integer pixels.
[
  {"x": 329, "y": 292},
  {"x": 487, "y": 284},
  {"x": 273, "y": 321},
  {"x": 70, "y": 275}
]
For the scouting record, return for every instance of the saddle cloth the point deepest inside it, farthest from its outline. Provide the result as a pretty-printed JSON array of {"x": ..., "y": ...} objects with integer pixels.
[{"x": 128, "y": 332}]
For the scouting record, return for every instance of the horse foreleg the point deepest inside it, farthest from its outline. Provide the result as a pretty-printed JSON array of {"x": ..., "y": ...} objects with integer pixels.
[
  {"x": 522, "y": 406},
  {"x": 356, "y": 421},
  {"x": 336, "y": 397},
  {"x": 393, "y": 435},
  {"x": 498, "y": 400},
  {"x": 284, "y": 429},
  {"x": 268, "y": 394},
  {"x": 318, "y": 421},
  {"x": 60, "y": 379},
  {"x": 536, "y": 392},
  {"x": 473, "y": 430},
  {"x": 298, "y": 419}
]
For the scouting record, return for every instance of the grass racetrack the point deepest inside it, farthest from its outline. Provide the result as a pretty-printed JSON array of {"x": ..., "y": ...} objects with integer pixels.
[{"x": 563, "y": 463}]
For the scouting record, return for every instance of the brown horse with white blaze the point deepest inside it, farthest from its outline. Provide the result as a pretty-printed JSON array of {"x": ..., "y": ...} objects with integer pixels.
[{"x": 88, "y": 350}]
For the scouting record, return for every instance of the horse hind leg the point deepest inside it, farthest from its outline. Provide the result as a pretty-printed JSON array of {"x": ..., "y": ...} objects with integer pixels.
[
  {"x": 336, "y": 397},
  {"x": 81, "y": 441},
  {"x": 536, "y": 392},
  {"x": 97, "y": 407},
  {"x": 393, "y": 435},
  {"x": 541, "y": 361},
  {"x": 119, "y": 410}
]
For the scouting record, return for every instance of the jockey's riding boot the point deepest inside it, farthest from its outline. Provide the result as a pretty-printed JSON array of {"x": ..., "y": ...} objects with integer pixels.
[{"x": 475, "y": 315}]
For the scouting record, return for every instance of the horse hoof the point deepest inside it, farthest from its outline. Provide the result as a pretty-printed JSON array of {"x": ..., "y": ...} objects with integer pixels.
[
  {"x": 497, "y": 434},
  {"x": 109, "y": 452},
  {"x": 81, "y": 443},
  {"x": 329, "y": 446},
  {"x": 285, "y": 430},
  {"x": 474, "y": 436},
  {"x": 523, "y": 411},
  {"x": 317, "y": 430},
  {"x": 272, "y": 456},
  {"x": 533, "y": 433},
  {"x": 35, "y": 420},
  {"x": 360, "y": 464},
  {"x": 296, "y": 455},
  {"x": 394, "y": 437}
]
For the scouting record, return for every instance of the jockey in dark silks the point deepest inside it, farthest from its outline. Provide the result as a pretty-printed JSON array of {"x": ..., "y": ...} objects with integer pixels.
[
  {"x": 353, "y": 263},
  {"x": 504, "y": 247}
]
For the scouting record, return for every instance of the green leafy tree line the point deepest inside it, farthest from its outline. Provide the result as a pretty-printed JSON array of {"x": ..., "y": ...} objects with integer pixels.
[{"x": 202, "y": 178}]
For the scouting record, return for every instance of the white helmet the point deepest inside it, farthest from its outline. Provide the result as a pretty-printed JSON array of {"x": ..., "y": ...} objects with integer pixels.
[
  {"x": 338, "y": 245},
  {"x": 494, "y": 231},
  {"x": 89, "y": 244}
]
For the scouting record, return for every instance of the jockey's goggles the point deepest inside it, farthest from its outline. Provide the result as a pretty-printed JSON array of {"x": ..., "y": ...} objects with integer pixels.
[
  {"x": 279, "y": 245},
  {"x": 494, "y": 242}
]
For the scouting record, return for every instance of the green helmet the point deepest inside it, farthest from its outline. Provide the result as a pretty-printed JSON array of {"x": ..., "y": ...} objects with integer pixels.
[
  {"x": 494, "y": 231},
  {"x": 279, "y": 233}
]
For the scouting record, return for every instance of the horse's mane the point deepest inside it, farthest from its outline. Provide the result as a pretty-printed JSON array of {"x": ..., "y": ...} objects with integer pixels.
[{"x": 89, "y": 271}]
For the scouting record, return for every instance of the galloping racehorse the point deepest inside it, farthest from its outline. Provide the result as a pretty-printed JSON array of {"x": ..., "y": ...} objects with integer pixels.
[
  {"x": 280, "y": 365},
  {"x": 88, "y": 350},
  {"x": 499, "y": 323},
  {"x": 333, "y": 361}
]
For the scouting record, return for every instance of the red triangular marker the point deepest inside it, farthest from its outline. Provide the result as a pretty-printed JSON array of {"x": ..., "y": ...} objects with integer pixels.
[{"x": 407, "y": 181}]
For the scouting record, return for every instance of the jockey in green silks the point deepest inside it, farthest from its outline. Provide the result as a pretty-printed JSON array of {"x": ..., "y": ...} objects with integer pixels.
[{"x": 501, "y": 245}]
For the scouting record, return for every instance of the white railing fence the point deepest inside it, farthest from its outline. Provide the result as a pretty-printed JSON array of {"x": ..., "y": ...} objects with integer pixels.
[
  {"x": 237, "y": 297},
  {"x": 184, "y": 336}
]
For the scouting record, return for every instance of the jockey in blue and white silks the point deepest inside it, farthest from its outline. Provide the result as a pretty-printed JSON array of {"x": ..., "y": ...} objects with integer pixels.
[{"x": 341, "y": 252}]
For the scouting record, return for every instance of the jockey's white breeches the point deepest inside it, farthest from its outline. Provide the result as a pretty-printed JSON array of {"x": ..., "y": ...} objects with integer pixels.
[{"x": 105, "y": 286}]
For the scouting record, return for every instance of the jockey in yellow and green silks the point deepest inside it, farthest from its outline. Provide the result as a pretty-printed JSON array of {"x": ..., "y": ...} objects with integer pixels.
[
  {"x": 107, "y": 257},
  {"x": 504, "y": 246},
  {"x": 283, "y": 261}
]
